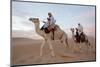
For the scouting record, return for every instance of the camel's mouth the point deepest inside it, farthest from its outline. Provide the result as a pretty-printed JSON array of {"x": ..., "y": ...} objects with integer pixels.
[
  {"x": 31, "y": 19},
  {"x": 34, "y": 19}
]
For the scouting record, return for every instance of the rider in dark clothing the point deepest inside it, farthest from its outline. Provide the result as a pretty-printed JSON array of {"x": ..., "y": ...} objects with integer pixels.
[{"x": 77, "y": 36}]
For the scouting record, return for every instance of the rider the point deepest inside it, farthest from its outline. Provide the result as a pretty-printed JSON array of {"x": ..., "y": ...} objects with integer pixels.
[
  {"x": 50, "y": 24},
  {"x": 77, "y": 35},
  {"x": 52, "y": 20},
  {"x": 80, "y": 29},
  {"x": 45, "y": 26}
]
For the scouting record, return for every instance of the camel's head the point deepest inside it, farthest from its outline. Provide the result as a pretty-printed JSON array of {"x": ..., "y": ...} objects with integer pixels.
[
  {"x": 35, "y": 20},
  {"x": 72, "y": 29}
]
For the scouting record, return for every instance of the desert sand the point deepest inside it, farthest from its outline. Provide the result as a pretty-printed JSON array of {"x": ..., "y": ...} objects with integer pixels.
[{"x": 26, "y": 51}]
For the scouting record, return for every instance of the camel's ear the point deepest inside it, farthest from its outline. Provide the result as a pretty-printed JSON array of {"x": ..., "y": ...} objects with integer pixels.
[{"x": 34, "y": 18}]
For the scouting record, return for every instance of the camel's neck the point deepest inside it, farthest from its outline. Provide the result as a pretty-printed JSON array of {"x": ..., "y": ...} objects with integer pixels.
[{"x": 37, "y": 28}]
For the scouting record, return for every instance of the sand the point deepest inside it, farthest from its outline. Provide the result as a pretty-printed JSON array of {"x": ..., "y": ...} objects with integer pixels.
[{"x": 26, "y": 51}]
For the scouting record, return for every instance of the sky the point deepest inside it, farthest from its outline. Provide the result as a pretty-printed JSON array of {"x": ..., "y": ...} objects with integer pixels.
[{"x": 66, "y": 16}]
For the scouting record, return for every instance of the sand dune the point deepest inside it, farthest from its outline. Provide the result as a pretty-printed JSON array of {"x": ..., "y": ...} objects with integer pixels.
[{"x": 26, "y": 51}]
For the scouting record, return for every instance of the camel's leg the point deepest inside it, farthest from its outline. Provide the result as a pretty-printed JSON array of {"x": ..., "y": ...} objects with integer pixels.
[
  {"x": 41, "y": 48},
  {"x": 87, "y": 42},
  {"x": 51, "y": 48},
  {"x": 64, "y": 43},
  {"x": 65, "y": 39},
  {"x": 89, "y": 47}
]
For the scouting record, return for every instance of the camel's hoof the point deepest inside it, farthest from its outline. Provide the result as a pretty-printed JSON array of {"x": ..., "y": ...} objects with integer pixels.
[
  {"x": 66, "y": 47},
  {"x": 53, "y": 55},
  {"x": 40, "y": 55}
]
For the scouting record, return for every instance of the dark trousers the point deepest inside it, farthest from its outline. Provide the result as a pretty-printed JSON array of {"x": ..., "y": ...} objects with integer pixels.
[
  {"x": 42, "y": 27},
  {"x": 47, "y": 31}
]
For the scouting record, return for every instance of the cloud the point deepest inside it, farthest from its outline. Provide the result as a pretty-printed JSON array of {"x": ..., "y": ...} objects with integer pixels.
[
  {"x": 22, "y": 27},
  {"x": 21, "y": 23},
  {"x": 84, "y": 17}
]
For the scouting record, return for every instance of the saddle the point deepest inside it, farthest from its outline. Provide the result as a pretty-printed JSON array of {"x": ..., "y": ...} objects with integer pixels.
[
  {"x": 46, "y": 30},
  {"x": 80, "y": 38},
  {"x": 50, "y": 29}
]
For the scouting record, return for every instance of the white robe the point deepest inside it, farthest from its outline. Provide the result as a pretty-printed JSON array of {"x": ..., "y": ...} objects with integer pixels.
[
  {"x": 52, "y": 22},
  {"x": 80, "y": 29}
]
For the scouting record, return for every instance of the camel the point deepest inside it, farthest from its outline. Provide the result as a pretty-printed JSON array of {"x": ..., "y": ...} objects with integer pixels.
[
  {"x": 59, "y": 35},
  {"x": 76, "y": 38}
]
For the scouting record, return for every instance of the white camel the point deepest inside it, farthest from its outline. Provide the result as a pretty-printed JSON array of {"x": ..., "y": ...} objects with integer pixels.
[
  {"x": 86, "y": 41},
  {"x": 59, "y": 35}
]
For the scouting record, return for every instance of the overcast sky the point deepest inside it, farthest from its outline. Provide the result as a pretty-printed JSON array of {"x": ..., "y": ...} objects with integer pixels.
[{"x": 67, "y": 16}]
